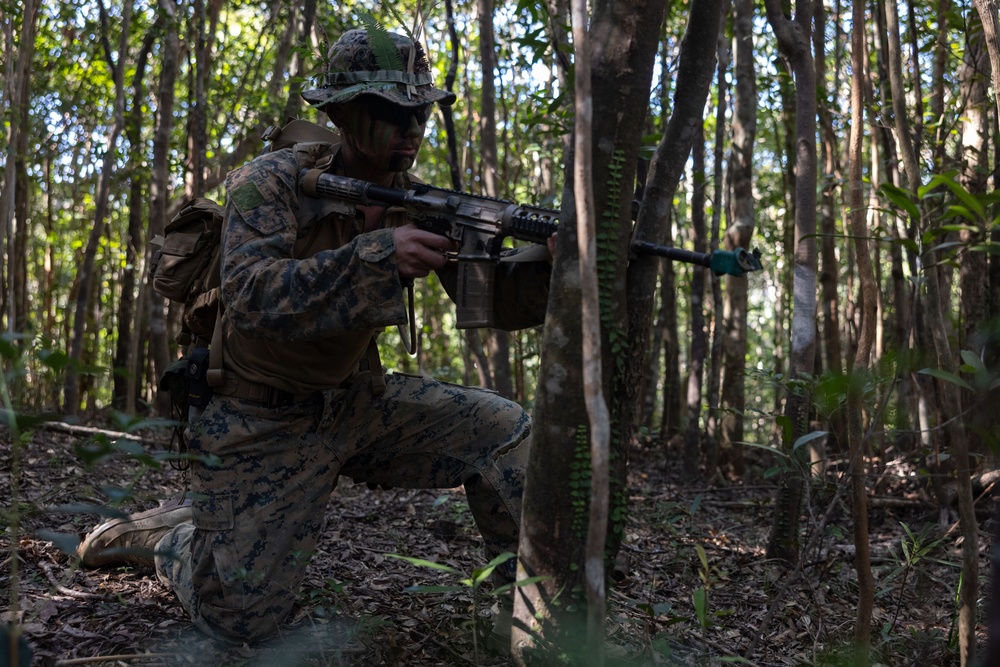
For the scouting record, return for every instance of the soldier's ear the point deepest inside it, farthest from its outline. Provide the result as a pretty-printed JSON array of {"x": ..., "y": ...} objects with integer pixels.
[{"x": 336, "y": 113}]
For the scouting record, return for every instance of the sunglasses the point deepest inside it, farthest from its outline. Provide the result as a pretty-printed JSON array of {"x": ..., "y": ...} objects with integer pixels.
[{"x": 399, "y": 116}]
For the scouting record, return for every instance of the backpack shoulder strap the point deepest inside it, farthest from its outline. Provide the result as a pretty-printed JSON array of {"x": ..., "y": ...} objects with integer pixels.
[{"x": 296, "y": 132}]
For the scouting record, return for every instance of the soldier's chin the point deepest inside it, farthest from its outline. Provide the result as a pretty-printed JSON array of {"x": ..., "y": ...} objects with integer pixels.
[{"x": 401, "y": 161}]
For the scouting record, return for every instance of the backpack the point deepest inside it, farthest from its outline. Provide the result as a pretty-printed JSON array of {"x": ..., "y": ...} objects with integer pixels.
[{"x": 186, "y": 267}]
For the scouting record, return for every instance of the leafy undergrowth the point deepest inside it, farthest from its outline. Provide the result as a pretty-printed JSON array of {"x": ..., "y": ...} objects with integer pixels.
[{"x": 693, "y": 584}]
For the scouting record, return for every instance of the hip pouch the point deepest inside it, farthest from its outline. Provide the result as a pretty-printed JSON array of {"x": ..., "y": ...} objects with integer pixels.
[{"x": 199, "y": 391}]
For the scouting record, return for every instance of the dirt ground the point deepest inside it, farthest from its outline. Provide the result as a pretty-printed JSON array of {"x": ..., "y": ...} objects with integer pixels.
[{"x": 356, "y": 609}]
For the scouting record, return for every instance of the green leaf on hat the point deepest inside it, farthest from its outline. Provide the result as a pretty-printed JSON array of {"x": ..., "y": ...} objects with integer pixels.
[{"x": 381, "y": 43}]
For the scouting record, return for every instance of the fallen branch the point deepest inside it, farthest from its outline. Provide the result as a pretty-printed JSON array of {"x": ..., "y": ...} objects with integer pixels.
[
  {"x": 64, "y": 590},
  {"x": 114, "y": 658},
  {"x": 76, "y": 429}
]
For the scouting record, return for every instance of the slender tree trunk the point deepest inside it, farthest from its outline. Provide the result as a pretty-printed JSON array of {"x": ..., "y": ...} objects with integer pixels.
[
  {"x": 454, "y": 164},
  {"x": 828, "y": 251},
  {"x": 497, "y": 342},
  {"x": 670, "y": 420},
  {"x": 720, "y": 193},
  {"x": 127, "y": 372},
  {"x": 934, "y": 306},
  {"x": 694, "y": 78},
  {"x": 738, "y": 235},
  {"x": 991, "y": 30},
  {"x": 16, "y": 90},
  {"x": 696, "y": 357},
  {"x": 974, "y": 277},
  {"x": 829, "y": 275},
  {"x": 855, "y": 397},
  {"x": 71, "y": 391},
  {"x": 473, "y": 342},
  {"x": 795, "y": 44},
  {"x": 159, "y": 347}
]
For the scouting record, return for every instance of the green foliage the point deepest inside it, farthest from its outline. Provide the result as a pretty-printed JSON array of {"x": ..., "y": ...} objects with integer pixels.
[
  {"x": 579, "y": 481},
  {"x": 469, "y": 582},
  {"x": 383, "y": 47}
]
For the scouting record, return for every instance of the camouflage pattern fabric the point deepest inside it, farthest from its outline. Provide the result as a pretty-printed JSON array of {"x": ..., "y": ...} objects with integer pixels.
[
  {"x": 352, "y": 69},
  {"x": 331, "y": 301},
  {"x": 238, "y": 566},
  {"x": 258, "y": 513}
]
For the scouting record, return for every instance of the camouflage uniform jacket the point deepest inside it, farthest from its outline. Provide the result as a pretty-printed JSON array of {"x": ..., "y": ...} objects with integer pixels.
[{"x": 305, "y": 289}]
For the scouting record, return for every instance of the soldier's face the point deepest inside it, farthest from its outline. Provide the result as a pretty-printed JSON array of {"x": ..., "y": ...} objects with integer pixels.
[{"x": 385, "y": 136}]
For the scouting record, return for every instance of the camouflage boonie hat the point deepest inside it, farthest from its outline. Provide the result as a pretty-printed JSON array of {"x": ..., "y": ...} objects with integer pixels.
[{"x": 401, "y": 75}]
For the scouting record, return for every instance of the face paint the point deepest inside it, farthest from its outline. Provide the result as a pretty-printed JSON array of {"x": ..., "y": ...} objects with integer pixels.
[{"x": 382, "y": 138}]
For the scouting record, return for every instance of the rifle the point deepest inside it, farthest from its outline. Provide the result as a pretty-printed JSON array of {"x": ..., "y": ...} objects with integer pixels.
[{"x": 479, "y": 225}]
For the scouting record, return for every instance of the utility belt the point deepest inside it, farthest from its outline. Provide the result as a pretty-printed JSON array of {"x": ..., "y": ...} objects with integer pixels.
[
  {"x": 238, "y": 387},
  {"x": 258, "y": 392}
]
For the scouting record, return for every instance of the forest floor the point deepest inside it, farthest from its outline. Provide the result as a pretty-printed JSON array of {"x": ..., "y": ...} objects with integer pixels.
[{"x": 356, "y": 609}]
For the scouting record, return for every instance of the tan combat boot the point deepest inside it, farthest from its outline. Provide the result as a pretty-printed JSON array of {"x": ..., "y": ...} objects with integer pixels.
[
  {"x": 498, "y": 641},
  {"x": 132, "y": 540}
]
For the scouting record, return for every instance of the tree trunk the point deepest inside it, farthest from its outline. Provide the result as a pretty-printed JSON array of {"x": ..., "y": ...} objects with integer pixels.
[
  {"x": 694, "y": 78},
  {"x": 159, "y": 346},
  {"x": 71, "y": 395},
  {"x": 855, "y": 396},
  {"x": 670, "y": 420},
  {"x": 829, "y": 275},
  {"x": 936, "y": 317},
  {"x": 738, "y": 235},
  {"x": 795, "y": 45},
  {"x": 126, "y": 370},
  {"x": 474, "y": 348},
  {"x": 204, "y": 24},
  {"x": 554, "y": 522},
  {"x": 497, "y": 341},
  {"x": 16, "y": 90},
  {"x": 974, "y": 277},
  {"x": 987, "y": 10},
  {"x": 598, "y": 418},
  {"x": 696, "y": 356},
  {"x": 721, "y": 196}
]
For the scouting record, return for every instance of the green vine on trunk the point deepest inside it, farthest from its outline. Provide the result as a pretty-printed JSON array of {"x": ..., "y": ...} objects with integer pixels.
[
  {"x": 579, "y": 481},
  {"x": 608, "y": 232}
]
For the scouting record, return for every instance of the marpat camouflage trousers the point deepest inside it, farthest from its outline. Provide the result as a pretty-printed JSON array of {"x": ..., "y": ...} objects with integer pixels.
[{"x": 259, "y": 506}]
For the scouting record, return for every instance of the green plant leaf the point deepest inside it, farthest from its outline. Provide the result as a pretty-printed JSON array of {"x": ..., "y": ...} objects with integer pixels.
[
  {"x": 943, "y": 246},
  {"x": 990, "y": 247},
  {"x": 420, "y": 562},
  {"x": 702, "y": 556},
  {"x": 758, "y": 445},
  {"x": 82, "y": 508},
  {"x": 946, "y": 376},
  {"x": 700, "y": 600},
  {"x": 528, "y": 581},
  {"x": 383, "y": 48},
  {"x": 956, "y": 211},
  {"x": 967, "y": 198},
  {"x": 436, "y": 589},
  {"x": 973, "y": 361},
  {"x": 65, "y": 542},
  {"x": 901, "y": 198},
  {"x": 807, "y": 438}
]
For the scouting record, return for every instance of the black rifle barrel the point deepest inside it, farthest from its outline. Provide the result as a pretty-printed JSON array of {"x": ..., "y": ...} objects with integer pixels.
[
  {"x": 678, "y": 254},
  {"x": 357, "y": 191}
]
